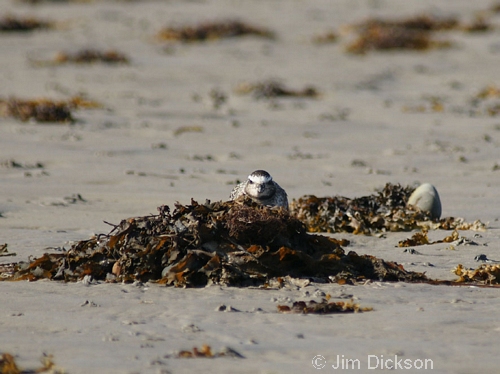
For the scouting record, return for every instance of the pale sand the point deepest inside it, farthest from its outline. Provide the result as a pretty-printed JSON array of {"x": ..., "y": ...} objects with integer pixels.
[{"x": 103, "y": 156}]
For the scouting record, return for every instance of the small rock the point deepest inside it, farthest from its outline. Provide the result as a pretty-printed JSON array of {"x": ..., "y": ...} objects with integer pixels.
[
  {"x": 226, "y": 308},
  {"x": 412, "y": 251},
  {"x": 426, "y": 198},
  {"x": 90, "y": 303},
  {"x": 229, "y": 352}
]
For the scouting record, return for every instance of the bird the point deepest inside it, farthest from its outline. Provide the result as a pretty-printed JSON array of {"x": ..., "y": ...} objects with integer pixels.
[{"x": 261, "y": 188}]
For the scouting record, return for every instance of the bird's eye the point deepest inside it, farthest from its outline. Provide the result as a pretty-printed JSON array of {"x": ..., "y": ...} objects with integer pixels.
[{"x": 250, "y": 181}]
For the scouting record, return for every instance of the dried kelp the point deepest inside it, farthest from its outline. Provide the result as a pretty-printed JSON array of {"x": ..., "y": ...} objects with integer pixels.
[
  {"x": 430, "y": 104},
  {"x": 4, "y": 252},
  {"x": 484, "y": 274},
  {"x": 8, "y": 365},
  {"x": 44, "y": 110},
  {"x": 236, "y": 243},
  {"x": 384, "y": 211},
  {"x": 87, "y": 56},
  {"x": 323, "y": 307},
  {"x": 381, "y": 38},
  {"x": 413, "y": 33},
  {"x": 486, "y": 102},
  {"x": 206, "y": 352},
  {"x": 422, "y": 22},
  {"x": 273, "y": 88},
  {"x": 41, "y": 110},
  {"x": 19, "y": 24},
  {"x": 421, "y": 238},
  {"x": 185, "y": 129},
  {"x": 212, "y": 31}
]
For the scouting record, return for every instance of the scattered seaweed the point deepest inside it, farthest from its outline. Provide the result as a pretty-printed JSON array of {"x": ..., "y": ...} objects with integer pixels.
[
  {"x": 44, "y": 110},
  {"x": 377, "y": 37},
  {"x": 86, "y": 56},
  {"x": 421, "y": 238},
  {"x": 272, "y": 89},
  {"x": 431, "y": 104},
  {"x": 488, "y": 92},
  {"x": 485, "y": 103},
  {"x": 20, "y": 24},
  {"x": 8, "y": 365},
  {"x": 185, "y": 129},
  {"x": 236, "y": 243},
  {"x": 384, "y": 211},
  {"x": 413, "y": 33},
  {"x": 323, "y": 307},
  {"x": 206, "y": 352},
  {"x": 212, "y": 31},
  {"x": 479, "y": 24},
  {"x": 422, "y": 22},
  {"x": 4, "y": 252},
  {"x": 485, "y": 274}
]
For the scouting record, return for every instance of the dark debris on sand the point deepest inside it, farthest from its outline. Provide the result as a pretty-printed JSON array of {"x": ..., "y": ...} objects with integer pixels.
[
  {"x": 384, "y": 211},
  {"x": 44, "y": 110},
  {"x": 272, "y": 88},
  {"x": 413, "y": 33},
  {"x": 8, "y": 365},
  {"x": 212, "y": 31},
  {"x": 323, "y": 307},
  {"x": 89, "y": 56},
  {"x": 20, "y": 24},
  {"x": 235, "y": 243}
]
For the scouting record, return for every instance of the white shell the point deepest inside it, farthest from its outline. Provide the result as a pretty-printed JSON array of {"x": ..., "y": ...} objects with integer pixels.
[{"x": 426, "y": 198}]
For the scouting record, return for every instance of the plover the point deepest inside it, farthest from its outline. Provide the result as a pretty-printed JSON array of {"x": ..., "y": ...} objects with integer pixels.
[{"x": 261, "y": 188}]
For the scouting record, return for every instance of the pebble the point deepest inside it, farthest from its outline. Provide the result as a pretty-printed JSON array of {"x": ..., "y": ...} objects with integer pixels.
[
  {"x": 226, "y": 308},
  {"x": 426, "y": 198}
]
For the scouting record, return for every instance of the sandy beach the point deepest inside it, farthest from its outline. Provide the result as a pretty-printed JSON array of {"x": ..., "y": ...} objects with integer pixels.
[{"x": 176, "y": 123}]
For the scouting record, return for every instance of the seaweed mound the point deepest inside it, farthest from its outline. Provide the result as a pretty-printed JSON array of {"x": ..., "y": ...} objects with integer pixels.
[
  {"x": 384, "y": 211},
  {"x": 236, "y": 243}
]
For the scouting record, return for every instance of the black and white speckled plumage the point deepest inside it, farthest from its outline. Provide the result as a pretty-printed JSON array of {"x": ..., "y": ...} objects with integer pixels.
[{"x": 261, "y": 188}]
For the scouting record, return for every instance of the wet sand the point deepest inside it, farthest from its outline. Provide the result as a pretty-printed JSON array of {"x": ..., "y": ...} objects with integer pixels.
[{"x": 160, "y": 138}]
